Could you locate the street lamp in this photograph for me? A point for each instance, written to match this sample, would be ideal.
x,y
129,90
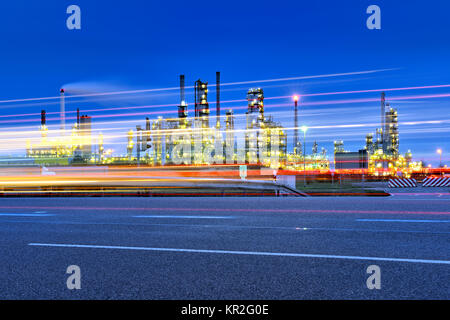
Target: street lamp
x,y
296,98
440,157
304,129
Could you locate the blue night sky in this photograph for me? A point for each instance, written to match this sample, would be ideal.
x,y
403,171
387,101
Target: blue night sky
x,y
135,45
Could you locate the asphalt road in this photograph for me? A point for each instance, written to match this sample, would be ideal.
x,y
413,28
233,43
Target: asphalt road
x,y
226,248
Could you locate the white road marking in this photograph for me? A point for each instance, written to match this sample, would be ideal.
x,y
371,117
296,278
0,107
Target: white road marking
x,y
400,220
25,215
252,253
186,217
423,199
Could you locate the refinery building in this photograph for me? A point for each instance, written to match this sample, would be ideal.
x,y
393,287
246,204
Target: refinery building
x,y
202,140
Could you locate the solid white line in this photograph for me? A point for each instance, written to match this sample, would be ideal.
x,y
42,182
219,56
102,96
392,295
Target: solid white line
x,y
186,217
399,220
424,199
253,253
25,215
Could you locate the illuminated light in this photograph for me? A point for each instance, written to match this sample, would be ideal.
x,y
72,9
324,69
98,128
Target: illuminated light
x,y
439,151
296,98
304,128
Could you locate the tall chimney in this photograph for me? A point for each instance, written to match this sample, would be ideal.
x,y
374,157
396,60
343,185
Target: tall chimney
x,y
78,118
43,118
183,101
218,99
147,129
62,111
182,108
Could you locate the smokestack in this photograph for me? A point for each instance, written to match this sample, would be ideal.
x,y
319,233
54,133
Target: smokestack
x,y
43,118
78,118
62,111
383,121
182,108
147,129
183,101
218,99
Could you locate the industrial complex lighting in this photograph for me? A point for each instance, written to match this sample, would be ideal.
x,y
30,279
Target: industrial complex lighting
x,y
439,151
304,128
296,98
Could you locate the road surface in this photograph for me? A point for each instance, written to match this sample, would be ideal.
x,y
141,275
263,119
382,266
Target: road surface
x,y
226,248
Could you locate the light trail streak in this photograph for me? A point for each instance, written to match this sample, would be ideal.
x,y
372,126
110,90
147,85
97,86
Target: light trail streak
x,y
266,98
189,209
190,87
310,77
6,145
233,252
376,90
317,103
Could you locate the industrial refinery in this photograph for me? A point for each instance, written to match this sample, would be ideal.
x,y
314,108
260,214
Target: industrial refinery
x,y
202,141
380,156
70,146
